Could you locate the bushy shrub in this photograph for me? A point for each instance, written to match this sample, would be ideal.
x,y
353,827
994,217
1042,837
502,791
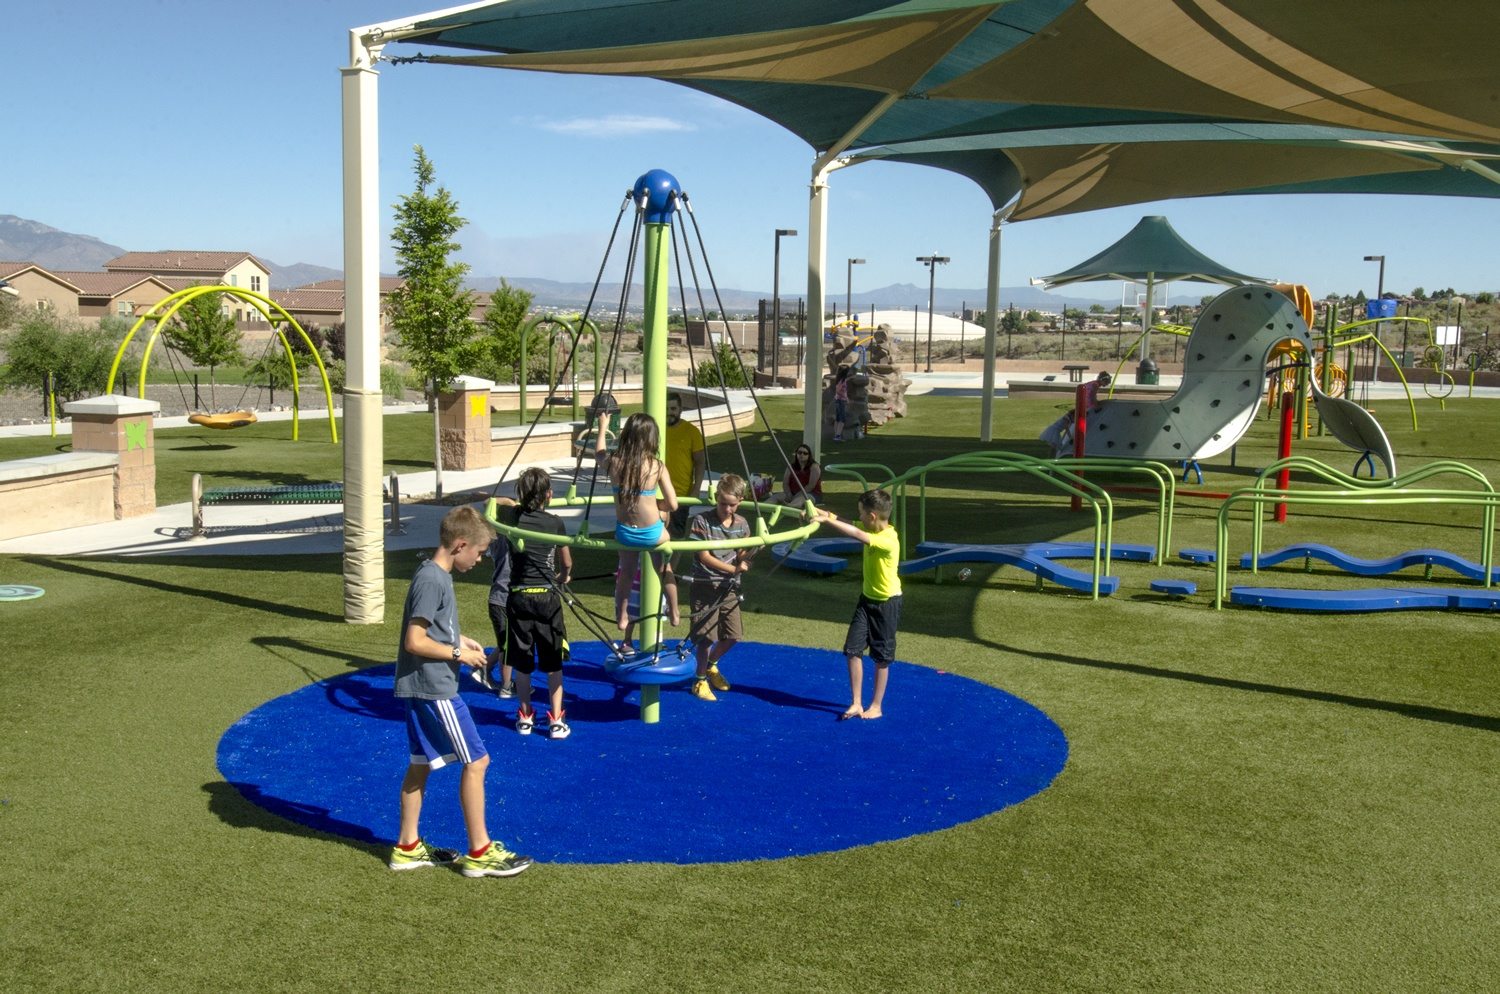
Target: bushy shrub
x,y
727,360
393,382
77,356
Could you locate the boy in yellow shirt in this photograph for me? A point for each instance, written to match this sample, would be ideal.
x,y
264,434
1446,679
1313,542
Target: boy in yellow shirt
x,y
878,612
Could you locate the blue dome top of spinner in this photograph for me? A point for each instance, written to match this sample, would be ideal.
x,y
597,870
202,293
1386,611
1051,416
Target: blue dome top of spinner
x,y
657,190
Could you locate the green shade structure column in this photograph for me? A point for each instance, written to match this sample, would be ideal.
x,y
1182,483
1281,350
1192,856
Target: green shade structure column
x,y
658,191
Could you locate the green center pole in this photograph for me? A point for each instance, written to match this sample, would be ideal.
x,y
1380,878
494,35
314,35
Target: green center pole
x,y
654,397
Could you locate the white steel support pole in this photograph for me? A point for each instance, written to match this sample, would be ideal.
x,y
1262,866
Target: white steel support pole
x,y
817,267
991,327
364,537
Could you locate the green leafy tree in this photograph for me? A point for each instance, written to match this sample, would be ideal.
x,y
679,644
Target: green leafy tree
x,y
1013,321
725,358
1484,298
430,313
498,350
1418,293
1096,308
10,311
205,335
78,357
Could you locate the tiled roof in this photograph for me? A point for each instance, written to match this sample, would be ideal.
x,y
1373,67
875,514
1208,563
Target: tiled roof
x,y
10,269
306,299
388,284
183,282
173,261
96,284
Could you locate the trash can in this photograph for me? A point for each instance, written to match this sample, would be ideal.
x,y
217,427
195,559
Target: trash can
x,y
1146,372
1381,307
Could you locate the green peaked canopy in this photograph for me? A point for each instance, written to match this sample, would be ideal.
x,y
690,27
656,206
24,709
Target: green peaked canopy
x,y
1151,251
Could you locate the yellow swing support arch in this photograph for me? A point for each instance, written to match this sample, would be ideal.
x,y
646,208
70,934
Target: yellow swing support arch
x,y
275,315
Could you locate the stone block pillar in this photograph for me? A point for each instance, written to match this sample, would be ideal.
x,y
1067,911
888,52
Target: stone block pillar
x,y
464,424
123,426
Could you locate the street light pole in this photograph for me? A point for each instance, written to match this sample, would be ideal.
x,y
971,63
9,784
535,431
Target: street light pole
x,y
1379,295
931,262
849,290
776,307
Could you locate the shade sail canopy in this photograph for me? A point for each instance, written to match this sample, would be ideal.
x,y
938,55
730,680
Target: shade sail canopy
x,y
1064,171
1072,104
1152,250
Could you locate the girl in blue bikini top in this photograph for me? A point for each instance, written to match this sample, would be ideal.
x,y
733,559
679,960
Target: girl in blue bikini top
x,y
643,491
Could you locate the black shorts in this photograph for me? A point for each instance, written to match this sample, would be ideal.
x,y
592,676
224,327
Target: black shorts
x,y
677,527
874,627
536,638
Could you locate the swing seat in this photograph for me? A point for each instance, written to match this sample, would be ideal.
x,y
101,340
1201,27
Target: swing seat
x,y
224,421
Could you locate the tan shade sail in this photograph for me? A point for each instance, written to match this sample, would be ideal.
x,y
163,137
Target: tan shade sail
x,y
1399,67
1070,179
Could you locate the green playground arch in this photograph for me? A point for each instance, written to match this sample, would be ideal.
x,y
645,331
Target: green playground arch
x,y
551,326
163,311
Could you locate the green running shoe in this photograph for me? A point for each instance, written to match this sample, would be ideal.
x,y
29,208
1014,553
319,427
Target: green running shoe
x,y
496,862
422,855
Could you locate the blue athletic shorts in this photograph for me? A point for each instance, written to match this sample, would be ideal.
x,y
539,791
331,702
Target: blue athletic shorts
x,y
648,537
442,732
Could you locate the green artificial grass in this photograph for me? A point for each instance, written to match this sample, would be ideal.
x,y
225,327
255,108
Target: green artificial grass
x,y
1252,800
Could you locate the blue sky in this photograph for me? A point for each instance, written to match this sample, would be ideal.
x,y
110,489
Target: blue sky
x,y
197,124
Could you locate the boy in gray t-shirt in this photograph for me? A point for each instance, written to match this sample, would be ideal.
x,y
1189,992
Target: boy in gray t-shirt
x,y
716,582
439,728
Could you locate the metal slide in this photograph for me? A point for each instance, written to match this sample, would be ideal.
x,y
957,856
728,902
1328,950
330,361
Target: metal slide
x,y
1355,427
1222,384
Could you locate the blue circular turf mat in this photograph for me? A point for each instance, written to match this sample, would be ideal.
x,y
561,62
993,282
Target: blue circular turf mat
x,y
766,771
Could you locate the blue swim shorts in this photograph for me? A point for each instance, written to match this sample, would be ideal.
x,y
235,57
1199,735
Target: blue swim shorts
x,y
648,537
441,732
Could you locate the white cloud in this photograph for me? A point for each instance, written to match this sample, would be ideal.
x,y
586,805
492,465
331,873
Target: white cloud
x,y
615,125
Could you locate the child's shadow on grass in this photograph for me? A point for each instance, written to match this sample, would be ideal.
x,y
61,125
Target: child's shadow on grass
x,y
244,805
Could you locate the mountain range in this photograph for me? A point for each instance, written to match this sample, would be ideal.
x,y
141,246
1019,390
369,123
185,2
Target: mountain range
x,y
31,241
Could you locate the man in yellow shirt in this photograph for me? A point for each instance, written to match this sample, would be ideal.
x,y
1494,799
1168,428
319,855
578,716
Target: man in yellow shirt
x,y
878,612
687,461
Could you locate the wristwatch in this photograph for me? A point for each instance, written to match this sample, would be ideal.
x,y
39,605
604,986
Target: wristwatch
x,y
456,653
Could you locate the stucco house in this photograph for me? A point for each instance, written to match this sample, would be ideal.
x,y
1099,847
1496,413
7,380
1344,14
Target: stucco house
x,y
40,289
182,269
123,295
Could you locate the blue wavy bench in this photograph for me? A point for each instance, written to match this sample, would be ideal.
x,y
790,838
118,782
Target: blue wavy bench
x,y
1372,567
1034,557
818,555
1373,599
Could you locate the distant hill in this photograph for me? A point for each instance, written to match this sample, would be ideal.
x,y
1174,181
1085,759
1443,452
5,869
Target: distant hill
x,y
299,274
22,240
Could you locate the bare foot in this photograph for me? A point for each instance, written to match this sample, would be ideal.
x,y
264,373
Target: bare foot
x,y
675,616
855,711
870,713
623,621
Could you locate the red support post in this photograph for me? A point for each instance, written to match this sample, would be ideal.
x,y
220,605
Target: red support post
x,y
1284,448
1080,428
